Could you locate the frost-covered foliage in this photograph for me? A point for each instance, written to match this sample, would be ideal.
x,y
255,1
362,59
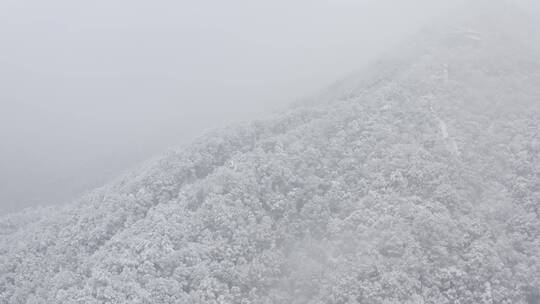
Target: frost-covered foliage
x,y
420,187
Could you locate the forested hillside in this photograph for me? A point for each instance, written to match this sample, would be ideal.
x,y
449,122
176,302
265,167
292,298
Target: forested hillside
x,y
417,181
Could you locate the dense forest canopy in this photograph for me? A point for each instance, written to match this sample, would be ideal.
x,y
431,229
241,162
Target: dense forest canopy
x,y
416,181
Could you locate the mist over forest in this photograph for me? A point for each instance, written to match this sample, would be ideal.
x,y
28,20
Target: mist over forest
x,y
284,152
89,90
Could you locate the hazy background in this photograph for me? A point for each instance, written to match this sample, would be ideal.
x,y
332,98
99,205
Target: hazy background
x,y
90,88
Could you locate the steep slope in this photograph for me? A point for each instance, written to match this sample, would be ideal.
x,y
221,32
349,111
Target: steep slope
x,y
415,182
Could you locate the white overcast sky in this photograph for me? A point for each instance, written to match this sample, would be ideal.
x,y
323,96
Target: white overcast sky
x,y
91,88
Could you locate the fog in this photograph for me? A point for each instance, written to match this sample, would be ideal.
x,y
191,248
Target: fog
x,y
396,156
89,89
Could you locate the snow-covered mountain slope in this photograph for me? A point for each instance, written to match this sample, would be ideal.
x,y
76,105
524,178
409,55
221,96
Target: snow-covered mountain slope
x,y
416,182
